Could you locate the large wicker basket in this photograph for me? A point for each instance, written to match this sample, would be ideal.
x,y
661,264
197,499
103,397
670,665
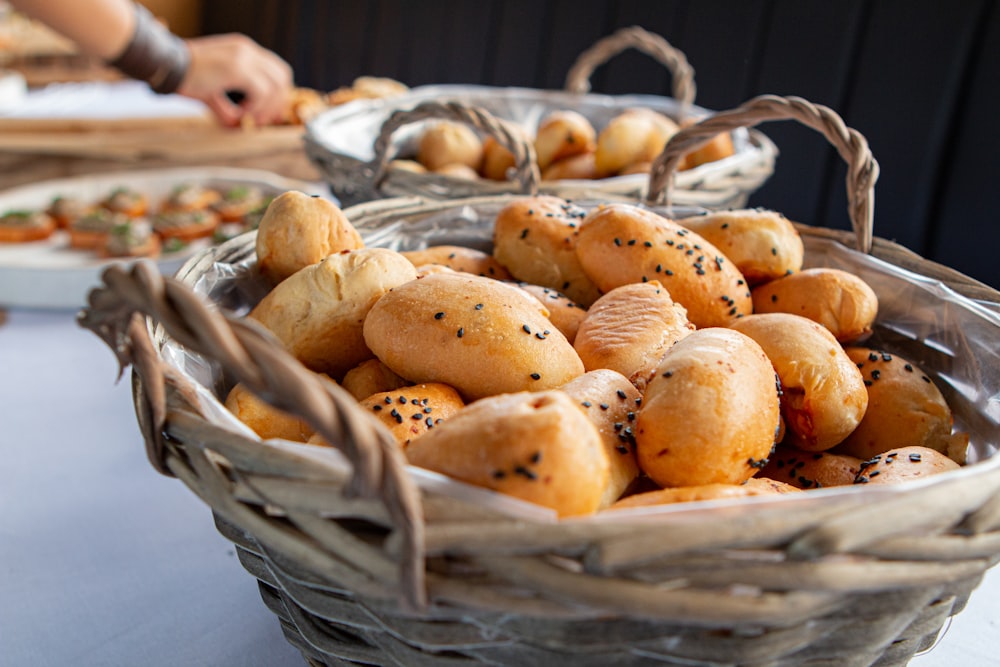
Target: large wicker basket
x,y
350,143
366,561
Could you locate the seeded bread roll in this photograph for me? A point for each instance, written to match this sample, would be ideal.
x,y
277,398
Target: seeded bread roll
x,y
459,258
635,135
611,402
905,407
297,231
480,336
763,244
840,301
564,313
410,412
318,312
823,394
811,470
903,464
370,377
562,134
264,419
535,238
621,244
575,167
710,413
629,329
702,492
536,446
446,142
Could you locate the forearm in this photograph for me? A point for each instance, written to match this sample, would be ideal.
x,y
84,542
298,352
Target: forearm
x,y
100,28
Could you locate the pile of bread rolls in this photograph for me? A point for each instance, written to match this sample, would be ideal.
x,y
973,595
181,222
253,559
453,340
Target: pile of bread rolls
x,y
601,359
567,146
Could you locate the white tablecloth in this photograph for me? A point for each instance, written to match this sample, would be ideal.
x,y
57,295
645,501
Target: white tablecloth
x,y
105,562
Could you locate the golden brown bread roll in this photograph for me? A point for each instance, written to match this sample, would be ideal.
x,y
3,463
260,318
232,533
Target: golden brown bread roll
x,y
575,167
763,244
497,160
410,412
455,170
611,402
905,407
535,238
718,147
298,230
264,419
702,492
537,446
411,166
840,301
903,464
811,470
635,135
370,377
710,413
621,244
447,142
480,336
636,168
561,134
459,258
823,394
318,311
564,313
629,329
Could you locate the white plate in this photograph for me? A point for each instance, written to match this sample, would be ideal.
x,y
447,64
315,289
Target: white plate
x,y
49,274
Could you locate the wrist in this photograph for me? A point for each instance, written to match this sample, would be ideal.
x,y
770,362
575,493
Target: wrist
x,y
153,54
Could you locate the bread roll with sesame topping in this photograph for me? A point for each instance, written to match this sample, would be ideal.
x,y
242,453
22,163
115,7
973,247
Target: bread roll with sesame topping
x,y
410,412
535,238
763,244
318,311
635,135
840,301
621,244
447,142
710,413
905,407
811,470
564,313
264,419
903,464
823,394
536,446
479,335
561,134
298,230
459,258
611,402
629,329
371,377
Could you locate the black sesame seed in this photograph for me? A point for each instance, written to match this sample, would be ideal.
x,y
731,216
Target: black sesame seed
x,y
438,315
479,306
460,332
872,356
908,368
526,328
618,241
499,474
536,457
524,472
376,407
668,374
416,416
585,404
925,379
648,244
876,374
524,232
604,406
402,400
536,376
774,298
915,458
886,356
621,394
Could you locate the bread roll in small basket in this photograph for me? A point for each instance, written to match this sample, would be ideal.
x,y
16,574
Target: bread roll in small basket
x,y
368,561
348,143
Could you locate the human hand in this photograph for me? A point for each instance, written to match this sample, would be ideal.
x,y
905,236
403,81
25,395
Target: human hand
x,y
234,62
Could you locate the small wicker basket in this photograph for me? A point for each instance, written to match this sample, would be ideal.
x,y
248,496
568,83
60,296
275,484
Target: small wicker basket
x,y
340,141
374,563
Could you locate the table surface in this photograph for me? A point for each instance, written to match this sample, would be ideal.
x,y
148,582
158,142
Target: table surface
x,y
105,562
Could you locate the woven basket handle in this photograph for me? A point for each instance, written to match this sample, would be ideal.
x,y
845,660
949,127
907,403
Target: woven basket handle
x,y
525,162
862,169
655,46
254,357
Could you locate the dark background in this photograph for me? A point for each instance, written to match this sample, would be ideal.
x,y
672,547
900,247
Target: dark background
x,y
917,77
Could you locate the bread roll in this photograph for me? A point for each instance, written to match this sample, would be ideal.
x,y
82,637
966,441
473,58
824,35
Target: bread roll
x,y
535,238
497,160
718,147
447,142
629,329
411,166
318,312
480,336
762,244
635,135
410,412
636,168
370,377
564,313
575,167
700,493
455,170
264,419
811,470
903,464
611,402
621,244
840,301
710,413
298,230
459,258
536,446
561,134
905,407
823,394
